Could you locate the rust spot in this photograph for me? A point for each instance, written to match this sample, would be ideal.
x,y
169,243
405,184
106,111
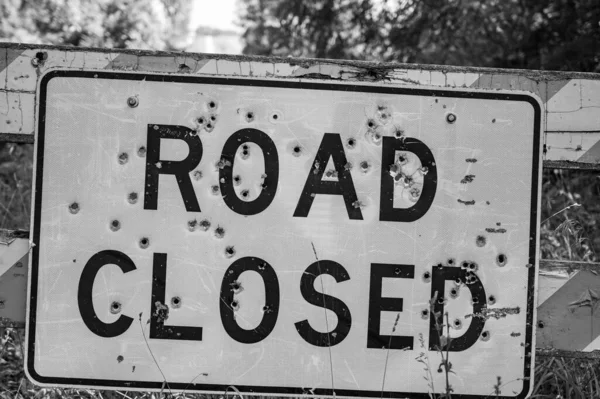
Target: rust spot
x,y
471,202
467,179
495,313
162,312
494,230
471,160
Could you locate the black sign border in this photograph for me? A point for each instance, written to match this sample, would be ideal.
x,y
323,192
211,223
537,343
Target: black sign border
x,y
291,84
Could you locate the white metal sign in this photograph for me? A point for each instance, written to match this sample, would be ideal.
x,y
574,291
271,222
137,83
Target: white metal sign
x,y
283,237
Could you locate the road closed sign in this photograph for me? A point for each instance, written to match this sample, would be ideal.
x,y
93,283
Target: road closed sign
x,y
283,237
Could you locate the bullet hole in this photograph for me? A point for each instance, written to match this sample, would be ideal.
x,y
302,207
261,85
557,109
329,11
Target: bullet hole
x,y
222,164
144,242
480,241
159,165
485,336
331,173
297,150
358,204
262,266
212,104
425,313
529,265
41,56
267,309
453,293
450,117
395,169
441,301
155,127
214,189
176,302
245,151
397,271
474,300
115,225
141,152
192,224
123,158
427,277
229,252
249,116
197,174
237,180
201,120
236,286
213,118
377,138
494,120
275,116
457,323
222,180
402,158
348,166
74,208
540,324
245,194
451,262
120,359
235,305
132,197
351,143
209,127
115,307
371,123
464,264
132,102
415,193
398,133
473,267
364,166
501,260
424,170
204,225
219,232
491,299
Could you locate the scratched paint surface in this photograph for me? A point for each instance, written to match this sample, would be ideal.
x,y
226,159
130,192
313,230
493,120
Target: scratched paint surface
x,y
484,188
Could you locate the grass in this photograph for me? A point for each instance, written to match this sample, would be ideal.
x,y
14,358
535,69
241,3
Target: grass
x,y
570,215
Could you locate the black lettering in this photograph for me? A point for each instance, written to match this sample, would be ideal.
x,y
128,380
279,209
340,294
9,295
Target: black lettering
x,y
180,169
331,146
228,303
377,304
387,212
160,310
84,293
307,288
470,280
269,184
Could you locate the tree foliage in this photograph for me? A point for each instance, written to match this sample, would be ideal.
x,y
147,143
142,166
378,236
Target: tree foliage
x,y
147,24
530,34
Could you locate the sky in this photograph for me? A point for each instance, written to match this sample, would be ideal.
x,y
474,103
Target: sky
x,y
215,14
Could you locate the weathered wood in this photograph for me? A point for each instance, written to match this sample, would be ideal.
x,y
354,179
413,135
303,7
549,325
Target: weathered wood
x,y
570,99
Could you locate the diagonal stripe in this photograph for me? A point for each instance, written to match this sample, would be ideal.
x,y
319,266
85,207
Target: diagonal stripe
x,y
592,155
545,90
7,56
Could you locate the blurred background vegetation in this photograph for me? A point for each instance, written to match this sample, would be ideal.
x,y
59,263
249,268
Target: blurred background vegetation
x,y
529,34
